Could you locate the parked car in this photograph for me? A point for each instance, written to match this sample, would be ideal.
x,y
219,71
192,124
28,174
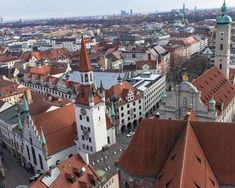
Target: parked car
x,y
130,134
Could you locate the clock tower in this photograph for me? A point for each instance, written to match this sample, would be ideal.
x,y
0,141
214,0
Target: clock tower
x,y
223,40
89,109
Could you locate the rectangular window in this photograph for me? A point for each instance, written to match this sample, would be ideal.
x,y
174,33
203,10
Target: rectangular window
x,y
87,147
83,137
89,130
128,118
91,148
133,103
128,105
81,127
90,139
80,117
220,66
83,146
122,114
87,119
221,47
122,108
128,112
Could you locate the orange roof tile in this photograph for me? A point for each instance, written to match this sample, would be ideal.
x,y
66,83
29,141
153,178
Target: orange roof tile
x,y
83,96
182,153
67,167
214,84
84,65
59,129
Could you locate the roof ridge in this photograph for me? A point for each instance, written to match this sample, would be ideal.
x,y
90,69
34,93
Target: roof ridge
x,y
184,155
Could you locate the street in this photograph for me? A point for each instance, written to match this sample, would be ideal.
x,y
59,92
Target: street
x,y
15,173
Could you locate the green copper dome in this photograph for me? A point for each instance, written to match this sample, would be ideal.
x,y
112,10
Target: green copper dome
x,y
212,101
224,18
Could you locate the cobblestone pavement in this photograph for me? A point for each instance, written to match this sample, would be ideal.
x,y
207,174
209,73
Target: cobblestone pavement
x,y
15,173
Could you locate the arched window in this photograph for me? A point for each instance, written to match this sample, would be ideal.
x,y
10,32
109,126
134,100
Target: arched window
x,y
81,78
34,156
86,77
91,77
40,160
126,185
28,152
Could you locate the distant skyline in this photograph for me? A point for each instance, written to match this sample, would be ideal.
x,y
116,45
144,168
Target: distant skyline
x,y
30,9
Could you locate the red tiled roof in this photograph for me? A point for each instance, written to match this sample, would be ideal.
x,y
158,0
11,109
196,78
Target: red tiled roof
x,y
67,167
7,58
214,84
191,116
83,96
182,153
45,70
108,123
121,90
59,129
85,65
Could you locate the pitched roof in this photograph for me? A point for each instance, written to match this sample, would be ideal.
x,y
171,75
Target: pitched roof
x,y
182,153
191,116
68,168
59,129
84,65
83,95
214,84
45,70
121,90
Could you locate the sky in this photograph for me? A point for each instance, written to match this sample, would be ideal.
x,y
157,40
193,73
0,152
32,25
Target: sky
x,y
32,9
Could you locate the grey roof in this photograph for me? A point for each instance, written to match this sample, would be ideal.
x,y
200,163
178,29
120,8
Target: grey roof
x,y
108,78
10,115
106,160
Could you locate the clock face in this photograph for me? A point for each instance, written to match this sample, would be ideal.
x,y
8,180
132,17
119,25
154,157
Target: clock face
x,y
221,34
83,111
85,133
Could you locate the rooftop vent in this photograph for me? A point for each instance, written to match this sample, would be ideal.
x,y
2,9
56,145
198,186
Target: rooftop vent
x,y
105,148
79,172
70,177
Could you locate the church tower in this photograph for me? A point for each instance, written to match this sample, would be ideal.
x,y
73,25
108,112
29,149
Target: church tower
x,y
89,109
223,40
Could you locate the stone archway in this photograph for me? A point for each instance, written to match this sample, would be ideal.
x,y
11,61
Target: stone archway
x,y
135,124
123,128
129,127
30,168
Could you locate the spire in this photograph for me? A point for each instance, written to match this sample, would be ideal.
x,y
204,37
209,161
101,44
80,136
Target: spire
x,y
101,86
113,114
224,9
85,65
25,106
20,125
43,139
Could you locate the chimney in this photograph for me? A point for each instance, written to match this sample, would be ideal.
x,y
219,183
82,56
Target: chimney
x,y
29,96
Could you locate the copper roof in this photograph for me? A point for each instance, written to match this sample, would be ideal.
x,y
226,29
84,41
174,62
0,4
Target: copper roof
x,y
182,153
84,65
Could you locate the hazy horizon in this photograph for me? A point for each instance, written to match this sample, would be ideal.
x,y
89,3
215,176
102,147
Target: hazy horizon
x,y
28,9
